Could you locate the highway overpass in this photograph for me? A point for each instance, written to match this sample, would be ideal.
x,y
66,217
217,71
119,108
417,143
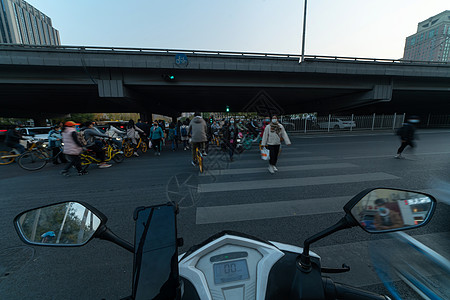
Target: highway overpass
x,y
56,80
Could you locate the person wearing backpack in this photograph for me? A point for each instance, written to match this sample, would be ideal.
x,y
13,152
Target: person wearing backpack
x,y
172,135
407,135
72,148
229,137
184,135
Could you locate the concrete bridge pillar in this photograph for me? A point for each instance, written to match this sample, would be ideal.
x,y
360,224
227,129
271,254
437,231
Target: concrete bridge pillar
x,y
146,116
40,122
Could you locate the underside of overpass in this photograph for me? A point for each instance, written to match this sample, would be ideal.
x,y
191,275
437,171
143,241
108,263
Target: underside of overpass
x,y
293,93
30,89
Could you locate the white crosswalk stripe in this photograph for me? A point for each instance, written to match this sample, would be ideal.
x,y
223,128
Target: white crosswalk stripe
x,y
268,210
285,169
292,182
290,160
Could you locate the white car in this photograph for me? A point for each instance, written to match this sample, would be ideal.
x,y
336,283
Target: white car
x,y
35,133
337,123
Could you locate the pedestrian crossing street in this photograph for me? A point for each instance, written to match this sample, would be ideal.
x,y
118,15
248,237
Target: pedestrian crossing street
x,y
249,173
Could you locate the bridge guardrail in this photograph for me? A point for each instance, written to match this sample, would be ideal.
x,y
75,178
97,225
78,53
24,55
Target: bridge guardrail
x,y
308,58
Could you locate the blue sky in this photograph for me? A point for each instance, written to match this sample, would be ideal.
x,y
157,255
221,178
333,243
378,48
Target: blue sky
x,y
355,28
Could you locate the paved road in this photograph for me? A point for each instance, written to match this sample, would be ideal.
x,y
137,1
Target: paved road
x,y
318,175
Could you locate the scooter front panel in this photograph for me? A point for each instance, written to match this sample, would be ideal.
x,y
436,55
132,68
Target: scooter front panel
x,y
230,267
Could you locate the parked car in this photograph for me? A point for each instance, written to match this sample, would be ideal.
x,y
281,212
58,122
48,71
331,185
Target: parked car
x,y
36,133
337,123
3,130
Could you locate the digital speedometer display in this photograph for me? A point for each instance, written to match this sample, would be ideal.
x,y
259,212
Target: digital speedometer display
x,y
230,271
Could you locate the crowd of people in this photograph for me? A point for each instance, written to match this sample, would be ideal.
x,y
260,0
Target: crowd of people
x,y
190,134
231,133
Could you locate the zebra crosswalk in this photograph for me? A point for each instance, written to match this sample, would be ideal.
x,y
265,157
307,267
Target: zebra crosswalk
x,y
246,192
250,174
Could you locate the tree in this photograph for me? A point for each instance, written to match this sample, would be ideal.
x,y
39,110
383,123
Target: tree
x,y
80,118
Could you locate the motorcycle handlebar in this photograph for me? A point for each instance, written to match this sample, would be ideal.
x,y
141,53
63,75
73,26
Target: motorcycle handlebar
x,y
336,290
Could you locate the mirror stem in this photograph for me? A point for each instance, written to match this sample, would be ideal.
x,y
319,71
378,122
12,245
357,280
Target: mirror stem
x,y
105,233
304,259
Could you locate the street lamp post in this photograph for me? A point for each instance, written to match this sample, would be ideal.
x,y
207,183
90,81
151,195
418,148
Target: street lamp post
x,y
304,32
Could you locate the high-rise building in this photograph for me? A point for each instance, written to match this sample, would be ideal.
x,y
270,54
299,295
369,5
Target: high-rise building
x,y
432,40
21,23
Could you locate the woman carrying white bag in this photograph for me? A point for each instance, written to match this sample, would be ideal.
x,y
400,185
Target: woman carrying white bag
x,y
272,137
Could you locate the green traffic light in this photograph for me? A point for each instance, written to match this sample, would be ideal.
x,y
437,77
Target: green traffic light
x,y
228,109
171,77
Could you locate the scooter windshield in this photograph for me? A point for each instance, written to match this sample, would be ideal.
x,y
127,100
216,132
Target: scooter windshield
x,y
155,262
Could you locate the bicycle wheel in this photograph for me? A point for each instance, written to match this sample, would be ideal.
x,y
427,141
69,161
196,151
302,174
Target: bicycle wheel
x,y
200,161
85,162
32,160
118,158
128,150
144,147
6,157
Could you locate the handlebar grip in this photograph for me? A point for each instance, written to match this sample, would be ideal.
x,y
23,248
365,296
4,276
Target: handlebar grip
x,y
341,291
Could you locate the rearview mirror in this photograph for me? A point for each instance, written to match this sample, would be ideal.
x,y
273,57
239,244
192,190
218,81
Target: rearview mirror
x,y
62,224
386,210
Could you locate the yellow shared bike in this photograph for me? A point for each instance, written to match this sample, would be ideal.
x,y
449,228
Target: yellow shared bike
x,y
127,146
199,157
88,157
34,158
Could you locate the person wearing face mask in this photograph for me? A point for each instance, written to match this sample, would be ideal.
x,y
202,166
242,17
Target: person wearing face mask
x,y
230,134
272,140
184,134
156,135
133,133
13,138
54,143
